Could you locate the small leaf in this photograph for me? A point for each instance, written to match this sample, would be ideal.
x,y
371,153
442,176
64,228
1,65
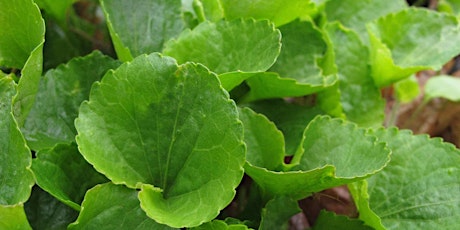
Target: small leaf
x,y
419,187
407,89
277,212
356,14
360,99
278,11
13,217
329,220
46,212
169,127
59,172
110,206
401,45
291,119
261,136
156,22
268,85
15,158
444,87
221,48
61,92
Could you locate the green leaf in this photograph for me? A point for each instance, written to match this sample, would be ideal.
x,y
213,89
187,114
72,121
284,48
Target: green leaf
x,y
60,94
360,196
332,153
301,60
277,212
155,23
45,212
169,127
268,85
443,86
110,206
22,32
291,119
356,14
59,172
261,136
299,69
360,99
221,48
212,10
15,158
278,11
329,220
401,45
21,45
13,217
220,225
419,187
407,89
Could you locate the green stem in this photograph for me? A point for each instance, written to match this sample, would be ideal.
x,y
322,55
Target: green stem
x,y
198,8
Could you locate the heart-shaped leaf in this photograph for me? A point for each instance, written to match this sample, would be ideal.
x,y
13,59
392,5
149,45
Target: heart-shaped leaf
x,y
170,130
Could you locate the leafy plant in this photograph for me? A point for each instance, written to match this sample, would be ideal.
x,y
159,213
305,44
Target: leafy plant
x,y
220,114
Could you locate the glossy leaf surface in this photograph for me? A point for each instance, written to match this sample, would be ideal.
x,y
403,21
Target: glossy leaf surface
x,y
59,172
161,20
256,51
169,127
411,40
276,11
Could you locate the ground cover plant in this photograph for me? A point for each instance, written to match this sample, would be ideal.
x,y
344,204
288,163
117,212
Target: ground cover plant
x,y
221,114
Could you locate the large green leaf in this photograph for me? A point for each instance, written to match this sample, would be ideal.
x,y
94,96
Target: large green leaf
x,y
360,99
59,172
278,11
222,48
110,206
277,212
419,188
13,217
60,94
443,86
15,158
46,212
332,153
411,40
169,127
155,23
356,14
329,220
299,67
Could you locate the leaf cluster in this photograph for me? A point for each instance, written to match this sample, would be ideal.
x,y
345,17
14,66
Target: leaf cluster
x,y
220,114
